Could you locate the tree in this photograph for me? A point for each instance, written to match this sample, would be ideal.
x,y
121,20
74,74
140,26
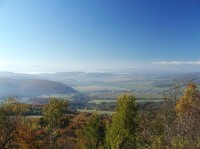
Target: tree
x,y
54,113
92,136
54,117
121,134
188,118
7,130
10,117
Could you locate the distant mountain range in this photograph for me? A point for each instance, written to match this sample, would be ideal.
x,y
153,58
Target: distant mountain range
x,y
24,85
83,77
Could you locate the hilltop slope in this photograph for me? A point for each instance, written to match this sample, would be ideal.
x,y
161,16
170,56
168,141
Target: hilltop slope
x,y
32,87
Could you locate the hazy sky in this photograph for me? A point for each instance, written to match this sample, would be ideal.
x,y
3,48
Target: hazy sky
x,y
97,35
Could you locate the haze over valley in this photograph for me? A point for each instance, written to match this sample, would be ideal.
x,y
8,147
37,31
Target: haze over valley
x,y
99,74
90,87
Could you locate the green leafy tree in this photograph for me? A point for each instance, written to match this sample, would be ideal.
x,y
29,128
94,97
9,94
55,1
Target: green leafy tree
x,y
54,119
92,136
54,113
121,133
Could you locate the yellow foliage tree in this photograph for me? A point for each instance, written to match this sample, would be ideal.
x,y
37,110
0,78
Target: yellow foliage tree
x,y
189,100
188,116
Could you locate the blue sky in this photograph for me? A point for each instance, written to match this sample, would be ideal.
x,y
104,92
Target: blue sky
x,y
99,35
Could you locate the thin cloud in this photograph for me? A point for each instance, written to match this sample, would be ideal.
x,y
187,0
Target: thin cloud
x,y
178,63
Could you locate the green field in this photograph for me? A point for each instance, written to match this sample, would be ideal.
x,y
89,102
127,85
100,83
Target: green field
x,y
147,96
99,101
114,95
95,111
149,100
95,88
62,96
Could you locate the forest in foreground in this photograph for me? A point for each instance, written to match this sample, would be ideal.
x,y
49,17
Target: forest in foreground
x,y
174,124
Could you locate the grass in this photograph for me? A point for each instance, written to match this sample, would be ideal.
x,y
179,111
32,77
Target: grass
x,y
113,96
95,111
61,96
95,88
149,100
99,101
148,96
132,85
140,86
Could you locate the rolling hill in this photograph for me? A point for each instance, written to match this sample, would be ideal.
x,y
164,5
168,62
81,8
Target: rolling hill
x,y
84,82
32,87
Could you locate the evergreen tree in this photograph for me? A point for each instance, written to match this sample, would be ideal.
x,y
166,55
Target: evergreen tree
x,y
92,136
121,134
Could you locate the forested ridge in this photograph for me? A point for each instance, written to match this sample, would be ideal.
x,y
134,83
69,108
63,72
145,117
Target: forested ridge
x,y
174,125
